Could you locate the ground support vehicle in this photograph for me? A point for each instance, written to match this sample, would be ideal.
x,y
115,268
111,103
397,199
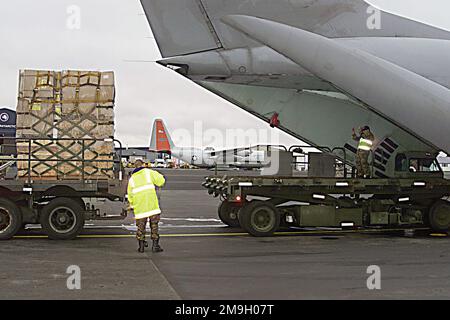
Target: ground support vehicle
x,y
260,204
61,206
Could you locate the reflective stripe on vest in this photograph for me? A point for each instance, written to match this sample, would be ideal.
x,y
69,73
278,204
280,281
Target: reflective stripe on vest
x,y
148,176
147,214
131,182
365,144
143,188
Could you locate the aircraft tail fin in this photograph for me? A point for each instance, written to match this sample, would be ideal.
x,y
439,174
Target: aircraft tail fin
x,y
160,141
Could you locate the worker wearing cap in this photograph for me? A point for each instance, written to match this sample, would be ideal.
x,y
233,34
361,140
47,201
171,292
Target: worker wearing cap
x,y
365,144
144,202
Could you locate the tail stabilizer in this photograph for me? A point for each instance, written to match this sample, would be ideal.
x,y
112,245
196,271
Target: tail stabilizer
x,y
160,141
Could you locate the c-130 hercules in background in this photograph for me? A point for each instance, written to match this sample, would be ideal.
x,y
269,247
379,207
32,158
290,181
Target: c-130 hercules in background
x,y
323,67
241,158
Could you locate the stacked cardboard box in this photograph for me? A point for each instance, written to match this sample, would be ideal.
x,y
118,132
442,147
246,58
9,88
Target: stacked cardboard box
x,y
75,109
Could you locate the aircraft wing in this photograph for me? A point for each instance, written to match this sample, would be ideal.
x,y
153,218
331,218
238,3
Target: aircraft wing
x,y
192,36
190,26
229,153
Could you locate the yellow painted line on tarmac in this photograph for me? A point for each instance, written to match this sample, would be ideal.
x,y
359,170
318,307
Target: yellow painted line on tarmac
x,y
90,236
224,234
105,236
228,234
100,236
439,235
168,235
30,237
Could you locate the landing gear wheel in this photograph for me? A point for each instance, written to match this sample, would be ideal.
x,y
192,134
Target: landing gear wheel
x,y
439,216
62,219
259,218
10,219
228,214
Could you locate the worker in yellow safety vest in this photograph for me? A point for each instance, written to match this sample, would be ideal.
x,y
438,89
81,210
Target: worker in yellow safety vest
x,y
365,144
144,203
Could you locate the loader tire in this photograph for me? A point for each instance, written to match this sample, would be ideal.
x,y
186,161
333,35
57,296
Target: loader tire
x,y
260,218
62,219
228,214
10,219
439,216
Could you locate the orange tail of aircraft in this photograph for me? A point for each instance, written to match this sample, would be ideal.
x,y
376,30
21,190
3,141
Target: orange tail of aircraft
x,y
160,141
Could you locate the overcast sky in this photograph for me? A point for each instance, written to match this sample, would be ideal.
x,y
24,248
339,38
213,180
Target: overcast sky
x,y
33,35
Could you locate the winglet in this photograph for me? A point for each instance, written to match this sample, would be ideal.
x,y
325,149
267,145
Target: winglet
x,y
160,141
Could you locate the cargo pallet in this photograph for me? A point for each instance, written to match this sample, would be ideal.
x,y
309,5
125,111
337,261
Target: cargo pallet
x,y
58,204
346,202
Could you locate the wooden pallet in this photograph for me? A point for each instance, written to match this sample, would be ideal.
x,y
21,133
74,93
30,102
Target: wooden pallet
x,y
64,158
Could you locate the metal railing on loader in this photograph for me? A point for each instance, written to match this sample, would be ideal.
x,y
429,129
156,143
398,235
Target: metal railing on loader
x,y
51,153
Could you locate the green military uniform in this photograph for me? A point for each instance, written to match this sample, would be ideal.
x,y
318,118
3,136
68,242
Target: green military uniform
x,y
362,155
144,201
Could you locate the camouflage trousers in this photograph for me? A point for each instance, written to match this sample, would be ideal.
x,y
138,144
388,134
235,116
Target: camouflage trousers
x,y
362,163
142,223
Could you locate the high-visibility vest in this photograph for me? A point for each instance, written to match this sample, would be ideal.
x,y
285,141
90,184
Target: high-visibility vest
x,y
365,144
142,194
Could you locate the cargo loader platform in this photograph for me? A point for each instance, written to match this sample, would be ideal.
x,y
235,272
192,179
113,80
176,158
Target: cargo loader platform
x,y
62,203
417,200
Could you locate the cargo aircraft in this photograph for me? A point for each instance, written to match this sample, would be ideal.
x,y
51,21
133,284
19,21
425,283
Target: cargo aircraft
x,y
322,67
242,158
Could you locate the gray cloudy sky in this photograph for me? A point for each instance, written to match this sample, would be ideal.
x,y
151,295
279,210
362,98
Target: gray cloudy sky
x,y
33,35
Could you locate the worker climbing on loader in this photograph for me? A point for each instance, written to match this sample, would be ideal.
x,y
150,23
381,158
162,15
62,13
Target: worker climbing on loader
x,y
365,139
144,202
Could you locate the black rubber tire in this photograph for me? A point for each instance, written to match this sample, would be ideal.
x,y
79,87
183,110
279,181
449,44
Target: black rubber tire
x,y
81,202
259,212
228,214
64,208
10,220
439,216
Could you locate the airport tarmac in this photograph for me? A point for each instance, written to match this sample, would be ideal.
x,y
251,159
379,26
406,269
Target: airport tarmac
x,y
203,259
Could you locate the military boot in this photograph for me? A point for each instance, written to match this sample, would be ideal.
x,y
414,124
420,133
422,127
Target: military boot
x,y
156,247
141,246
